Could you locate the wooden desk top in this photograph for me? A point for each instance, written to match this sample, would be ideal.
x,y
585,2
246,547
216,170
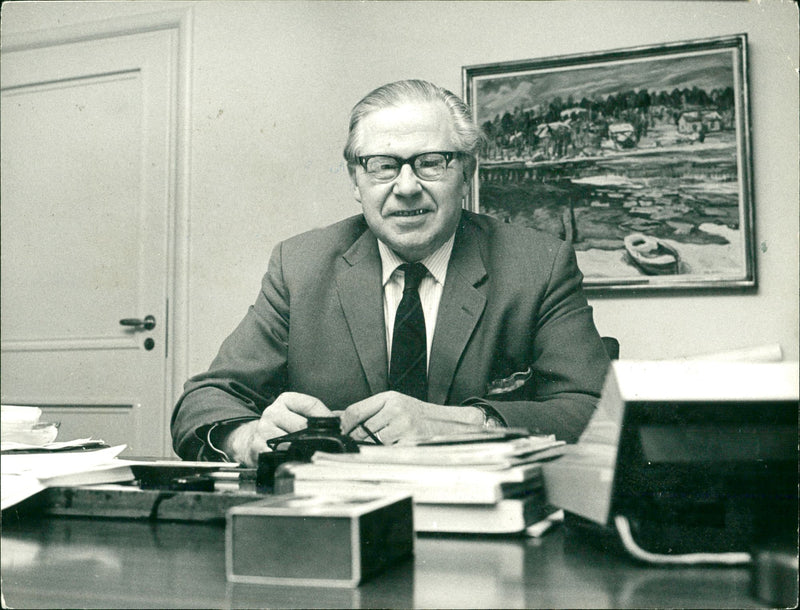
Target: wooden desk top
x,y
103,563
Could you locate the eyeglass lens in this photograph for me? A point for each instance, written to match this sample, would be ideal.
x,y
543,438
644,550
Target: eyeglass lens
x,y
427,166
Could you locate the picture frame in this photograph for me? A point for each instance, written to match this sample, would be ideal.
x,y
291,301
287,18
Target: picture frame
x,y
640,157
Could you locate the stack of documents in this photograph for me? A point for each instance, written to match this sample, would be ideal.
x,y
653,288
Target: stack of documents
x,y
32,460
466,484
28,470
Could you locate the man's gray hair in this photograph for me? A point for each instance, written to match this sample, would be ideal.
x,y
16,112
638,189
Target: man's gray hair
x,y
468,135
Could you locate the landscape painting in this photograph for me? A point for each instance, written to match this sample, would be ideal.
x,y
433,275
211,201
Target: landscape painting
x,y
638,157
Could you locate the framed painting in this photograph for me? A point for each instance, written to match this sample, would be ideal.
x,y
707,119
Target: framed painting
x,y
639,157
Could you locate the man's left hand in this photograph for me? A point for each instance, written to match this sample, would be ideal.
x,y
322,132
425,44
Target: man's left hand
x,y
392,417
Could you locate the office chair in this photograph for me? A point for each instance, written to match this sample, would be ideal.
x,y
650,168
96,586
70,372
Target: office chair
x,y
612,347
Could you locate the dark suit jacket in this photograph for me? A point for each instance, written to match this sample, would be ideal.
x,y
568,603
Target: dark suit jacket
x,y
512,303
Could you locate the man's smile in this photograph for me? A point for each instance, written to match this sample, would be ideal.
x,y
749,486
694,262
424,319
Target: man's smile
x,y
405,213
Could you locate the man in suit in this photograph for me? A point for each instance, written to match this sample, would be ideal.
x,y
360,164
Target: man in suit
x,y
507,337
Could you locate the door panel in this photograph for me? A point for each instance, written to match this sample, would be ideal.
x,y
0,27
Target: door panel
x,y
86,164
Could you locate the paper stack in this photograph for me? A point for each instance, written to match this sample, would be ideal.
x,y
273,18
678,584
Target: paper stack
x,y
31,459
464,484
25,473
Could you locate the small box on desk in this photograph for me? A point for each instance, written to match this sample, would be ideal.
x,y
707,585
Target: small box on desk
x,y
326,541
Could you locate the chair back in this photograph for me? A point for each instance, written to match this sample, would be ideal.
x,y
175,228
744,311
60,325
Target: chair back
x,y
612,347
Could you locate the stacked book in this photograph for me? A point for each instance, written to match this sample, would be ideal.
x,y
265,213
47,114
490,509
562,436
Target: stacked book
x,y
467,484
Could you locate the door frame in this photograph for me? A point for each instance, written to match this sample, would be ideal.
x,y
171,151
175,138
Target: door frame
x,y
177,289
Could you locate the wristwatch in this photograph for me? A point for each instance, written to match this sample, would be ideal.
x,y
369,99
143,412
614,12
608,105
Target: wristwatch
x,y
491,420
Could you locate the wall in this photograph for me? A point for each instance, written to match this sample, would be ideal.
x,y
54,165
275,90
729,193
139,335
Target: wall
x,y
273,83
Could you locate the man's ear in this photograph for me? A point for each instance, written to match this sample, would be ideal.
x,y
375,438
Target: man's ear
x,y
465,188
354,184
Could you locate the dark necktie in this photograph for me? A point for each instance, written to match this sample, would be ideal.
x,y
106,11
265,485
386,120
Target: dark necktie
x,y
408,369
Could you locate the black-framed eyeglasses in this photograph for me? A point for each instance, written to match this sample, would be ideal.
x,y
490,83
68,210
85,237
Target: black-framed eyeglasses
x,y
426,166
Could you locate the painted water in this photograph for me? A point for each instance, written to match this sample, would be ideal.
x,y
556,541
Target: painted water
x,y
686,194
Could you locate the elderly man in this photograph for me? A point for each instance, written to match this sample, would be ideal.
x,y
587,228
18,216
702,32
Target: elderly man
x,y
414,318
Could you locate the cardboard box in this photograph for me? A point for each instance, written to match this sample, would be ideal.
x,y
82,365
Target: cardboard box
x,y
327,541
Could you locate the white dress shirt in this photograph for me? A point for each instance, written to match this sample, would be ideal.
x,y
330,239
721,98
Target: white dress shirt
x,y
430,289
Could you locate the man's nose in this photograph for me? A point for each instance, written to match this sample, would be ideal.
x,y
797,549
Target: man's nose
x,y
406,184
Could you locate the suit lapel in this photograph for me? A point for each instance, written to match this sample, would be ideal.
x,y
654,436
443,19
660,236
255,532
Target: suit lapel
x,y
358,281
459,311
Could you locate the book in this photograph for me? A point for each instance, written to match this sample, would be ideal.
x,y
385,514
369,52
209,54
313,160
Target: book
x,y
321,467
426,484
488,455
478,484
102,473
43,465
508,516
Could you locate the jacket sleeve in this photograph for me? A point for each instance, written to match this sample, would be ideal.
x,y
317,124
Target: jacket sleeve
x,y
568,363
247,374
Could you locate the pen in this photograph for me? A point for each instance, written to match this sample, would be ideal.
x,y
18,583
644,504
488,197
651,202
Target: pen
x,y
371,434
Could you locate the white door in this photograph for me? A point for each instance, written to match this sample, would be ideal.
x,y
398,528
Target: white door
x,y
87,169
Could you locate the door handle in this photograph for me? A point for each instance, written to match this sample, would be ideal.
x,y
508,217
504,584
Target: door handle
x,y
149,322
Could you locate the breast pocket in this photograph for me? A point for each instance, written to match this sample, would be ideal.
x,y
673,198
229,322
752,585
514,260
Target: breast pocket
x,y
509,387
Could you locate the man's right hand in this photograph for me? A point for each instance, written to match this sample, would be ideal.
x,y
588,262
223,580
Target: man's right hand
x,y
288,413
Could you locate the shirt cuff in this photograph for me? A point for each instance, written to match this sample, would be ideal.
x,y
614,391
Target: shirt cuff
x,y
214,435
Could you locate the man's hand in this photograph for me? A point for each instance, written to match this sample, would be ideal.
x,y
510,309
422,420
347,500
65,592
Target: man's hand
x,y
288,413
393,416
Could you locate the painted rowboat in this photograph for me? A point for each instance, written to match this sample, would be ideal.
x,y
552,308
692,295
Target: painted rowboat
x,y
651,255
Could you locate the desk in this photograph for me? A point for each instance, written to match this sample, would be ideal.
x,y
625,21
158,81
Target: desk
x,y
103,563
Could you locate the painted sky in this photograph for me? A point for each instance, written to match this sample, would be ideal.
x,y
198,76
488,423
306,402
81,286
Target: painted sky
x,y
496,95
